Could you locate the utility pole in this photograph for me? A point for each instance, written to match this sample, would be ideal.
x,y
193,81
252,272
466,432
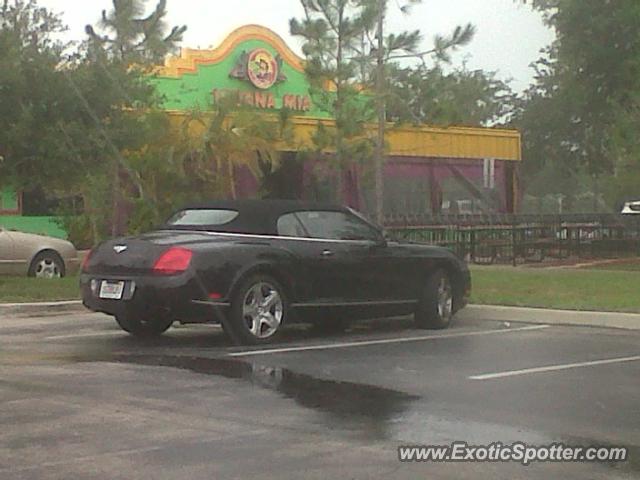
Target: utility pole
x,y
382,117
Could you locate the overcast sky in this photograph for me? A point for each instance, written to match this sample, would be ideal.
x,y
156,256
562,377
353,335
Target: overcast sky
x,y
509,35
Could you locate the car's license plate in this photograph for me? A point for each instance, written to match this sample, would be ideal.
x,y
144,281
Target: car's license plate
x,y
111,290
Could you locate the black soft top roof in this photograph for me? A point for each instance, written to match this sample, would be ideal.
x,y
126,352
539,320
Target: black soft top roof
x,y
259,217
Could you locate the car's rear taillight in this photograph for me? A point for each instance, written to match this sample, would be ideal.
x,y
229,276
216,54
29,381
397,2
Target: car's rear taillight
x,y
173,261
85,261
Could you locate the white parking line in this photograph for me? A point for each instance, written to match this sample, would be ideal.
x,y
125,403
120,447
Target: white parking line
x,y
331,346
554,368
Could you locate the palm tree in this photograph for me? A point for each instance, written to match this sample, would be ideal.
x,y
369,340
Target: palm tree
x,y
233,136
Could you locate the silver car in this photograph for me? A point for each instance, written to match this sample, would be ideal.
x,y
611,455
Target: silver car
x,y
36,255
631,208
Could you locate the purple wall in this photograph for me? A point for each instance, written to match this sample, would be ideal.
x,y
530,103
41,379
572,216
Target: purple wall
x,y
318,175
440,171
247,185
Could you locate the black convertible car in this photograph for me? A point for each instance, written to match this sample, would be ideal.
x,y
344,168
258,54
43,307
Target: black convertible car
x,y
254,266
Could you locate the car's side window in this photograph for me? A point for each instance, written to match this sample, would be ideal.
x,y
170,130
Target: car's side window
x,y
290,226
336,226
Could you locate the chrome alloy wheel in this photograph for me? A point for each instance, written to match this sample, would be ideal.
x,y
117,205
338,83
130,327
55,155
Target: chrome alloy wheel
x,y
47,268
445,298
262,310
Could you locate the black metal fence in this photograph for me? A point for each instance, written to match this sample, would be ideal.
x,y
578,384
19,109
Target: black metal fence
x,y
515,239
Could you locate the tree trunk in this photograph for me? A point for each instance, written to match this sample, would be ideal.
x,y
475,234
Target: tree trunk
x,y
115,199
338,113
379,152
340,196
232,180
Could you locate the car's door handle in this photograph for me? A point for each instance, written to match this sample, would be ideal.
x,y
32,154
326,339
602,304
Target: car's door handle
x,y
327,253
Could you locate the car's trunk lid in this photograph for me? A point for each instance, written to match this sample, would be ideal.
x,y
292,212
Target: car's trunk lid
x,y
137,255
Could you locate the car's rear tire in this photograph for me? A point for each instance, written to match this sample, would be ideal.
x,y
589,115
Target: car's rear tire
x,y
435,306
143,328
259,309
47,264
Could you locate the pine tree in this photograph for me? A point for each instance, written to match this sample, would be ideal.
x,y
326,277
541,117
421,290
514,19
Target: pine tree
x,y
133,38
348,52
332,31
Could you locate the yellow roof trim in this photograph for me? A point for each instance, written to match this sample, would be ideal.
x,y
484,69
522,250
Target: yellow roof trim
x,y
427,142
189,59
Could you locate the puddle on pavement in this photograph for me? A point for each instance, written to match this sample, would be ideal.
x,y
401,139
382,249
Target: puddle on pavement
x,y
364,409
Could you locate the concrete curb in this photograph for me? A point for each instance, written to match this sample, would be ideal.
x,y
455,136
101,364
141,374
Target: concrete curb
x,y
627,321
49,308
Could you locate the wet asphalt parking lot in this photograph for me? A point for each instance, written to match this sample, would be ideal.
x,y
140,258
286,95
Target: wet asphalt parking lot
x,y
82,400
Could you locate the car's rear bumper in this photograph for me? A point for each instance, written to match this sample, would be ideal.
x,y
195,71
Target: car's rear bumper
x,y
177,296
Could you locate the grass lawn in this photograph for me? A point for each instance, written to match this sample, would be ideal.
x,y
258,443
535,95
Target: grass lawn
x,y
24,289
573,289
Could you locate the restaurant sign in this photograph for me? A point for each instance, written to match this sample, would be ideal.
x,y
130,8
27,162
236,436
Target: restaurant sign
x,y
263,70
252,65
259,67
